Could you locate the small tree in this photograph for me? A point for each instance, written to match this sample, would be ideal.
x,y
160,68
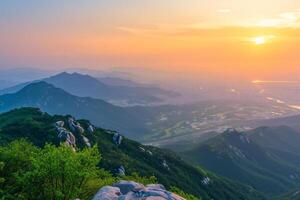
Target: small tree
x,y
16,159
58,173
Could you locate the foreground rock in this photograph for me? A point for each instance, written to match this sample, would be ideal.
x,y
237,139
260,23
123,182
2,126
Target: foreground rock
x,y
129,190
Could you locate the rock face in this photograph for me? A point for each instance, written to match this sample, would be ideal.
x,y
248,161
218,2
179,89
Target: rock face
x,y
60,124
129,190
117,138
108,193
75,126
91,129
64,135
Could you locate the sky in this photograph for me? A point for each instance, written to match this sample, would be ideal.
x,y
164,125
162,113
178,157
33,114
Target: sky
x,y
232,38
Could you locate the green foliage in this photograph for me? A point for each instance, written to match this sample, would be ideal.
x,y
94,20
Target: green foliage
x,y
1,168
49,173
183,194
137,178
147,161
92,186
265,158
59,173
17,160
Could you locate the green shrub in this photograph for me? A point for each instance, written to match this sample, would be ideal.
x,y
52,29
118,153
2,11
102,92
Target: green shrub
x,y
183,194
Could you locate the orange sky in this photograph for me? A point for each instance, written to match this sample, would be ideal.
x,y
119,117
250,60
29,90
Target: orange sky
x,y
221,39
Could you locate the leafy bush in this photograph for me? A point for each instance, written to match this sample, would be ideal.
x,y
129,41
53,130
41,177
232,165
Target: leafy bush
x,y
137,178
48,173
29,172
183,194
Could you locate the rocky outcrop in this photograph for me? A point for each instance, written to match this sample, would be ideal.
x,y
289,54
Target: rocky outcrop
x,y
205,181
86,141
91,129
75,126
117,138
121,171
68,137
60,124
108,193
129,190
64,135
165,164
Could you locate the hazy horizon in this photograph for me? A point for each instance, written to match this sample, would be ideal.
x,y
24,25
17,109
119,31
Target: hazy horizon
x,y
235,39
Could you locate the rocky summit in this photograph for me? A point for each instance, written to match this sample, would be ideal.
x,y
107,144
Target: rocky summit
x,y
129,190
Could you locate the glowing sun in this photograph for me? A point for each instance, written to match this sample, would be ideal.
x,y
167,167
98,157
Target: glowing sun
x,y
260,40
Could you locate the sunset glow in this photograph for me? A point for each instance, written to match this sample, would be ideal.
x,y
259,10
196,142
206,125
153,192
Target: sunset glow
x,y
169,35
259,40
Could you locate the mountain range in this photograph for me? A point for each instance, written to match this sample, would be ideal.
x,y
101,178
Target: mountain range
x,y
268,159
56,101
111,91
170,170
291,121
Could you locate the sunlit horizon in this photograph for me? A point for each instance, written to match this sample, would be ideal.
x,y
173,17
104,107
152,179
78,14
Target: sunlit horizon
x,y
231,38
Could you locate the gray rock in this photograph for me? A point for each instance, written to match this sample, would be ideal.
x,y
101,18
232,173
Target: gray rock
x,y
121,171
135,191
117,138
165,165
205,181
59,124
156,186
75,126
127,186
91,129
67,137
108,193
86,141
79,129
72,125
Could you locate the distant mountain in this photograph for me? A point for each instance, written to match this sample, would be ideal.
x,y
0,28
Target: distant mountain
x,y
119,82
268,159
5,84
88,86
170,170
144,88
57,101
291,121
20,75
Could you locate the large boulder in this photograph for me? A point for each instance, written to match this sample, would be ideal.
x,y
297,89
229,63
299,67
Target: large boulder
x,y
129,190
108,193
75,126
127,186
67,137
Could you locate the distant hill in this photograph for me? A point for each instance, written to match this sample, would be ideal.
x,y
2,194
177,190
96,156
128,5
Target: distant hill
x,y
19,75
57,101
170,170
119,82
88,86
268,159
5,84
291,121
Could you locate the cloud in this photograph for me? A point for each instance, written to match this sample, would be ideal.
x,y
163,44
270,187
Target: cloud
x,y
199,30
285,19
274,82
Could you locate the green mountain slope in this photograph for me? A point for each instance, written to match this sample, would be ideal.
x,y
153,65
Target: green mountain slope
x,y
56,101
268,159
38,127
